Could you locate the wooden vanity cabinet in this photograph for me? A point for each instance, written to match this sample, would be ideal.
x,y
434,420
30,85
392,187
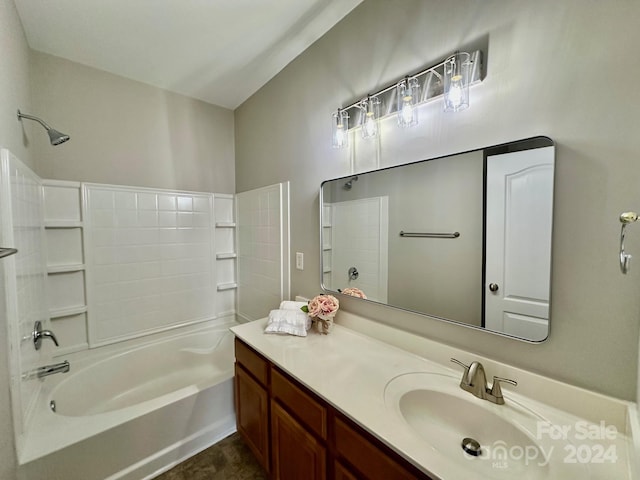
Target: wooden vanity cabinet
x,y
297,436
251,385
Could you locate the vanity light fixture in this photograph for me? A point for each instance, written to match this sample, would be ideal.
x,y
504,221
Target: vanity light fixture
x,y
449,79
370,115
339,129
407,93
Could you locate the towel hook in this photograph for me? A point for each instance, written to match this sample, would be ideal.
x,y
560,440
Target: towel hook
x,y
625,258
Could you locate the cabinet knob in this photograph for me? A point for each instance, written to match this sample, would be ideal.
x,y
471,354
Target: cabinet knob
x,y
493,287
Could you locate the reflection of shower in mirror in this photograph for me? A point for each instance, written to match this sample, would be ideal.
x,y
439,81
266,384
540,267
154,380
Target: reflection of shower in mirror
x,y
349,184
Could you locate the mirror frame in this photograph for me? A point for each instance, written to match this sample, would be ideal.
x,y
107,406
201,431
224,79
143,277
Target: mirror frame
x,y
503,148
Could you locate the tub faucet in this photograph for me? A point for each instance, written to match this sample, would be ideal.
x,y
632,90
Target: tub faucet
x,y
474,380
62,367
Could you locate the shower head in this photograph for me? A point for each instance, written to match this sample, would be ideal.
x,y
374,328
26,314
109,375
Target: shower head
x,y
55,137
348,185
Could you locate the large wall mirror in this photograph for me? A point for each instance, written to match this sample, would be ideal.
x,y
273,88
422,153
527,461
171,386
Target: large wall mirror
x,y
464,238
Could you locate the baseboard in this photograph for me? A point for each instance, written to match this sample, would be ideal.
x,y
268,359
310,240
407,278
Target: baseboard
x,y
169,457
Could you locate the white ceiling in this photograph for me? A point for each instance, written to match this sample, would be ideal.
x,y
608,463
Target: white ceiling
x,y
219,51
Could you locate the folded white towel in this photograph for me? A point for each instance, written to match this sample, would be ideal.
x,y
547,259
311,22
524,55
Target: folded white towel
x,y
288,321
290,305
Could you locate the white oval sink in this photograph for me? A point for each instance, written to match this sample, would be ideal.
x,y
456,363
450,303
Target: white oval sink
x,y
442,415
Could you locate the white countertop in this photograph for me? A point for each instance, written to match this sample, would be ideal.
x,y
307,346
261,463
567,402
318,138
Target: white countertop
x,y
351,370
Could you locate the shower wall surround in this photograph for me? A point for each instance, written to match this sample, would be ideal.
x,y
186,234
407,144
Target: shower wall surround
x,y
21,221
263,250
152,260
150,257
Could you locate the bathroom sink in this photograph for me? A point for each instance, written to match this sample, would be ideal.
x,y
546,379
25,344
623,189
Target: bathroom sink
x,y
501,441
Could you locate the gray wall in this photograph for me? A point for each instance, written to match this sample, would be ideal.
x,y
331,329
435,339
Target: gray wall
x,y
556,69
14,95
125,132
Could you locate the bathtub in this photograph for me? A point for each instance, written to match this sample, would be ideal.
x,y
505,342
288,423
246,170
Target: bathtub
x,y
131,412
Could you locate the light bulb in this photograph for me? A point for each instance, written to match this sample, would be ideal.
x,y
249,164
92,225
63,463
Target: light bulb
x,y
455,92
340,129
339,135
407,94
456,82
370,125
370,113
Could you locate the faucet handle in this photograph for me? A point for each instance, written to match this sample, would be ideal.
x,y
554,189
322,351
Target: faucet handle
x,y
496,390
38,334
463,365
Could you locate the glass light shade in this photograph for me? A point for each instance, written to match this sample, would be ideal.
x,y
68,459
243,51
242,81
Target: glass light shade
x,y
370,115
340,129
408,94
456,82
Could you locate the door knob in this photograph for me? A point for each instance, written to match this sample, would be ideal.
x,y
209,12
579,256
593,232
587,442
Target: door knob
x,y
493,287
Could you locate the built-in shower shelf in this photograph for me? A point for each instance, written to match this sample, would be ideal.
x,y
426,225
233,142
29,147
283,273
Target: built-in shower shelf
x,y
225,224
67,312
224,256
227,286
63,224
65,268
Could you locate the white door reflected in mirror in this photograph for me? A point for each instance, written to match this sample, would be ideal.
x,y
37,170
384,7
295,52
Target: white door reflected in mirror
x,y
518,242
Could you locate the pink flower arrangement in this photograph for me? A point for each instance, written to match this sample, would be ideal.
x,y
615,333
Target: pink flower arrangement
x,y
323,307
353,292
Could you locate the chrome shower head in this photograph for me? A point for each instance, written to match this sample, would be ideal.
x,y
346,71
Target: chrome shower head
x,y
55,137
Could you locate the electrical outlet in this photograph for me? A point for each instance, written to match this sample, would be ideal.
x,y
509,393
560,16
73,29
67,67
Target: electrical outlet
x,y
300,260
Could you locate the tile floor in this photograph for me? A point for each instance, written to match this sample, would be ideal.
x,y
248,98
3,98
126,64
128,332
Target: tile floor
x,y
229,459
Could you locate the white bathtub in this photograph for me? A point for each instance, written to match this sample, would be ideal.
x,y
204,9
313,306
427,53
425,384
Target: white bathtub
x,y
130,413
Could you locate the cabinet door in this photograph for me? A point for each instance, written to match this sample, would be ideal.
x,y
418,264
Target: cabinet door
x,y
252,415
296,453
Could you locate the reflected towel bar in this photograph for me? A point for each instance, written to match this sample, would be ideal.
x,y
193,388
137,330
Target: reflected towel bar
x,y
429,235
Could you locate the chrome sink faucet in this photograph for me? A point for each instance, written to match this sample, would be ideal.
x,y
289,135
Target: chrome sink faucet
x,y
474,380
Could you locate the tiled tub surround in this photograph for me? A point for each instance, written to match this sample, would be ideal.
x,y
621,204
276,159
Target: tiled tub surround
x,y
263,249
21,204
150,260
134,409
351,370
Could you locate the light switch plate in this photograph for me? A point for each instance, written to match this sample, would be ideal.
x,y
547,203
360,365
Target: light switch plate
x,y
300,260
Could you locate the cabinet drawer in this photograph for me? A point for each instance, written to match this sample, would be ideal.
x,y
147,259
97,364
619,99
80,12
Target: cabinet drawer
x,y
252,362
306,408
372,462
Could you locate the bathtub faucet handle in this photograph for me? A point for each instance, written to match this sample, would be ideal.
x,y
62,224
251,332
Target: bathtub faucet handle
x,y
39,334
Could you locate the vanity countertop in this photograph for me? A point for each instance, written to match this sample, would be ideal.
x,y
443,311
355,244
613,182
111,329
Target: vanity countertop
x,y
350,371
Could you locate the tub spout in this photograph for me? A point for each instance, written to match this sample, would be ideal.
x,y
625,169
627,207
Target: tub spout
x,y
62,367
